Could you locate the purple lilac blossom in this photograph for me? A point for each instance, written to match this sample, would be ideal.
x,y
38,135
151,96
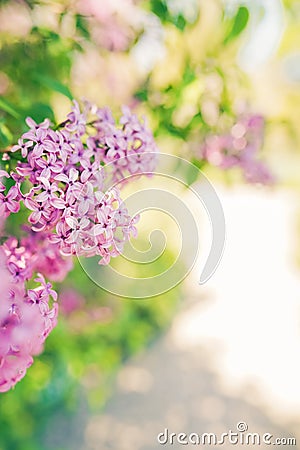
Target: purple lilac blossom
x,y
239,148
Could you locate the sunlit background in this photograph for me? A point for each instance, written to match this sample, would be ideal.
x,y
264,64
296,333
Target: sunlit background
x,y
199,358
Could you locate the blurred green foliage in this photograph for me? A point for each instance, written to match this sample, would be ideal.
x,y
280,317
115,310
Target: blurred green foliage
x,y
36,67
160,8
239,23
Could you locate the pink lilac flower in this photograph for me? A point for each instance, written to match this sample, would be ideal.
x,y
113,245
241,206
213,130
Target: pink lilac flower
x,y
23,146
41,139
45,256
239,148
70,301
26,317
114,21
76,120
10,203
60,180
67,170
131,150
257,172
3,173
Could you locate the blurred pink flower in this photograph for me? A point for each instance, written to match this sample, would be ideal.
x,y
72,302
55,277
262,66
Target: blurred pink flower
x,y
114,21
240,148
45,256
70,300
26,318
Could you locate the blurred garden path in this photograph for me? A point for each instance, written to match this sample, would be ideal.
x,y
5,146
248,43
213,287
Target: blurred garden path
x,y
232,353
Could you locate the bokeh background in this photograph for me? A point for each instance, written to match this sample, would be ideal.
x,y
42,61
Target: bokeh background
x,y
116,372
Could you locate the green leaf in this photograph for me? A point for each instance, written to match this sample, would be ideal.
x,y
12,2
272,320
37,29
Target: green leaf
x,y
193,170
159,8
40,111
7,107
45,33
239,24
191,175
53,85
6,136
188,75
180,22
82,26
199,163
142,95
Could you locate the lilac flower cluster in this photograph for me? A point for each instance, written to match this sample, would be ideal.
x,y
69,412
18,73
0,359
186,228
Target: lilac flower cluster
x,y
61,179
46,257
26,318
65,174
9,202
129,150
239,148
